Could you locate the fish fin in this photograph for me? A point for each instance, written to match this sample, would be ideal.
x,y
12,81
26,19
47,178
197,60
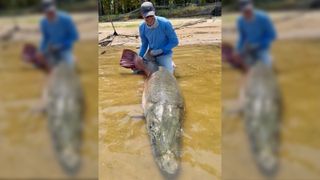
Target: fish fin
x,y
137,117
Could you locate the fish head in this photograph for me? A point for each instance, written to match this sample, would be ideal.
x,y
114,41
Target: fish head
x,y
169,162
168,141
70,160
267,161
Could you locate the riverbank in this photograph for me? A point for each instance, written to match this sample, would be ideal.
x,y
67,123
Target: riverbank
x,y
295,57
123,139
289,25
190,31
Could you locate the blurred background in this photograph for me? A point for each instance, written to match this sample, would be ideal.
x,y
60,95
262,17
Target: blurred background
x,y
297,69
127,9
124,145
26,149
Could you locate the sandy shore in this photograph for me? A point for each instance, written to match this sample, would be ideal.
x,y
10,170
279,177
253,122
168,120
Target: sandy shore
x,y
28,27
206,32
289,24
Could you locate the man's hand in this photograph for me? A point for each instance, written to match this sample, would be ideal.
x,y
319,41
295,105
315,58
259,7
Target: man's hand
x,y
40,56
252,47
156,52
54,48
237,55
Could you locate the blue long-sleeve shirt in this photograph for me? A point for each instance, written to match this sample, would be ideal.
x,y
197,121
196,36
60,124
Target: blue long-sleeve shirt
x,y
258,32
61,32
162,37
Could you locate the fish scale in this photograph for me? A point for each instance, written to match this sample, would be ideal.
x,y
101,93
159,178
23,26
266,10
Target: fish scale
x,y
65,111
164,112
262,114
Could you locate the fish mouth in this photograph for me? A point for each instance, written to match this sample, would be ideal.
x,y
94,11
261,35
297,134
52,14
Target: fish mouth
x,y
70,160
268,163
169,163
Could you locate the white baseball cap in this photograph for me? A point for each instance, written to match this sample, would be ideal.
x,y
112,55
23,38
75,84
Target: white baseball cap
x,y
245,4
147,9
48,5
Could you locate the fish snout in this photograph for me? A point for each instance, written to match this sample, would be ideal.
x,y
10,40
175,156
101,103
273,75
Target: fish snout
x,y
70,160
169,163
268,162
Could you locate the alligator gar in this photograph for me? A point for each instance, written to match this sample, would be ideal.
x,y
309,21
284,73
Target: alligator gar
x,y
262,114
65,106
163,107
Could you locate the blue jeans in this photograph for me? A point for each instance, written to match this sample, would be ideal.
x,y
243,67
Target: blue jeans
x,y
66,56
166,62
258,55
265,57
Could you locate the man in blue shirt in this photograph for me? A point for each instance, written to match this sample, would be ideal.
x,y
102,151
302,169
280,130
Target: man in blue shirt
x,y
59,34
157,36
256,32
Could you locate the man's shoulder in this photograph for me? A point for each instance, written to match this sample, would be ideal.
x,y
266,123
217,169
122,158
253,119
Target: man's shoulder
x,y
143,23
163,20
64,16
260,14
240,20
43,20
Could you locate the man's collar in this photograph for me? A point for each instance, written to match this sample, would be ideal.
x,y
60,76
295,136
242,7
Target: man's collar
x,y
155,24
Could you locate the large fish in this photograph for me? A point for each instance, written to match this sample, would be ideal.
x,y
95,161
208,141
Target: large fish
x,y
163,108
262,114
65,111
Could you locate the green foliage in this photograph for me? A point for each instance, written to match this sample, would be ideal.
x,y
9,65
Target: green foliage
x,y
269,4
34,5
178,12
116,7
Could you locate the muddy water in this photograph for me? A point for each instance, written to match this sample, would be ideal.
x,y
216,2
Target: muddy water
x,y
124,147
298,67
25,145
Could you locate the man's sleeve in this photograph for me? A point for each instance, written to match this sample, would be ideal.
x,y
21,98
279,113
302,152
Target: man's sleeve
x,y
44,39
73,34
172,36
241,38
269,35
144,42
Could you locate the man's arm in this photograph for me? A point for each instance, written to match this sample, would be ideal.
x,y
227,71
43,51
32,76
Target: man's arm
x,y
144,42
241,38
44,39
73,34
269,35
172,37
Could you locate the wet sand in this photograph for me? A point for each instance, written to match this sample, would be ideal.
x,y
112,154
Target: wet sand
x,y
25,144
207,32
297,65
125,151
289,24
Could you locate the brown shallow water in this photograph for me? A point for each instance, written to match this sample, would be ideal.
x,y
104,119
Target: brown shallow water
x,y
124,149
25,145
298,67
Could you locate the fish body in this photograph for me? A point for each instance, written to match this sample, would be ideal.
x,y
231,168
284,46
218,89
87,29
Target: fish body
x,y
262,114
163,107
65,107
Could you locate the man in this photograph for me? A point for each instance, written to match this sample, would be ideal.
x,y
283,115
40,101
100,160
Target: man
x,y
256,33
59,34
157,36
